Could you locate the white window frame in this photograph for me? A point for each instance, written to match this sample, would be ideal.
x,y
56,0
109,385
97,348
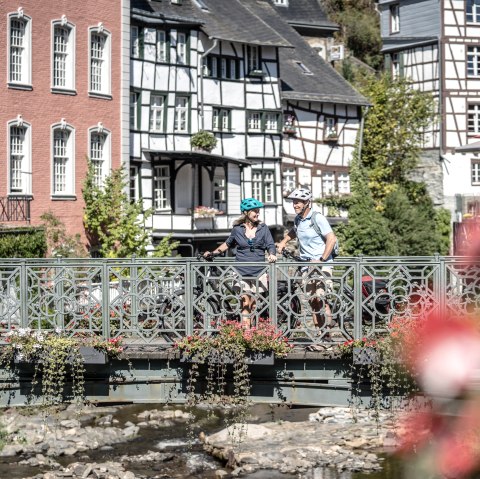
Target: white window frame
x,y
67,57
271,121
253,58
289,180
134,99
69,154
254,122
181,48
475,171
162,46
472,10
219,187
473,119
395,18
134,184
181,114
161,188
263,185
343,183
221,120
25,171
157,113
106,154
328,183
24,51
473,61
331,128
281,3
99,65
395,65
134,42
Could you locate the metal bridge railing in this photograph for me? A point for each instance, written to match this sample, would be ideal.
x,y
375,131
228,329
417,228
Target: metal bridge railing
x,y
152,301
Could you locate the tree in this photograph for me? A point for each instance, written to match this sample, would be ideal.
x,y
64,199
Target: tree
x,y
367,231
393,133
114,224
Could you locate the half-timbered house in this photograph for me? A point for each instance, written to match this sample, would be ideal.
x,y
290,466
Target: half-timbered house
x,y
435,43
223,67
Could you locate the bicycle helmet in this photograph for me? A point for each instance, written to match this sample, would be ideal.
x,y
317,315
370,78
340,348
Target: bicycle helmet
x,y
250,204
300,194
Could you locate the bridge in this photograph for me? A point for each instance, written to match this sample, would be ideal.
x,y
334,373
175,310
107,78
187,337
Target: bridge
x,y
151,303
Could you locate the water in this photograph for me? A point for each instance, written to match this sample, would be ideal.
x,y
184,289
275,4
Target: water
x,y
182,461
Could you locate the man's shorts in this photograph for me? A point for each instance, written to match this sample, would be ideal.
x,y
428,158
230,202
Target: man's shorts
x,y
316,281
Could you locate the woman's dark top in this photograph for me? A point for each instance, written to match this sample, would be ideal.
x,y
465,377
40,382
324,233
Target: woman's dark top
x,y
254,253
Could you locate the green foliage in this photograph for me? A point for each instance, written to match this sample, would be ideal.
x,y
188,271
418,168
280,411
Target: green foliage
x,y
113,223
204,140
23,243
60,244
165,247
367,231
393,133
443,229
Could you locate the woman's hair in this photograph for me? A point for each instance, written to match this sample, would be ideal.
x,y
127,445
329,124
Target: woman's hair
x,y
242,219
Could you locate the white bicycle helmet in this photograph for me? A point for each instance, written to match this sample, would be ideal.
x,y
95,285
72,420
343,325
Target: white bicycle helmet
x,y
300,194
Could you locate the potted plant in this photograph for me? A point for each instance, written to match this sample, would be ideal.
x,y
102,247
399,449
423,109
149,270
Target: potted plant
x,y
205,212
203,140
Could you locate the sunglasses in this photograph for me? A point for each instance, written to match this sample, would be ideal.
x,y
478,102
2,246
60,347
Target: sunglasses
x,y
250,243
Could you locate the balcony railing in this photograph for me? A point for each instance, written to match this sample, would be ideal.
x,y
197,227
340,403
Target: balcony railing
x,y
15,208
158,301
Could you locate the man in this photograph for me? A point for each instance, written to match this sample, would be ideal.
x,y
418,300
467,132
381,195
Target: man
x,y
314,247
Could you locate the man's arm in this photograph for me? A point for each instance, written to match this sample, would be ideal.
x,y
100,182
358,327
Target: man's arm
x,y
288,237
330,240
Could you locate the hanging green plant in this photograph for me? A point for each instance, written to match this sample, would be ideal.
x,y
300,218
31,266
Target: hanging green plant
x,y
203,140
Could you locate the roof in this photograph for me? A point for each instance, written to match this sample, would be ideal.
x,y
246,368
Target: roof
x,y
228,20
323,83
201,156
306,14
470,148
397,43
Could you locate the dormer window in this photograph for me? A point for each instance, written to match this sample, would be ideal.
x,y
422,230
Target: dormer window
x,y
281,3
253,60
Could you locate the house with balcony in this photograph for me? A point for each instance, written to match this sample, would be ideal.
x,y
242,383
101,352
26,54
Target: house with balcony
x,y
217,66
435,43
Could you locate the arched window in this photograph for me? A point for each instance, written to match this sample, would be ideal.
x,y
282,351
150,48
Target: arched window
x,y
19,49
63,55
99,64
63,160
99,153
19,157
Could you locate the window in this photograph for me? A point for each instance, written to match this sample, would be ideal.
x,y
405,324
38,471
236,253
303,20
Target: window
x,y
100,154
221,119
474,119
157,112
253,61
283,3
475,172
395,65
134,42
19,37
181,48
133,185
162,46
330,130
63,151
161,188
394,19
473,61
289,180
227,68
328,183
99,61
219,188
267,121
343,180
263,186
304,69
63,56
134,110
181,112
473,11
19,158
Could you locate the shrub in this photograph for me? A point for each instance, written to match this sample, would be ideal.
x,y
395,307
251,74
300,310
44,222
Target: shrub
x,y
203,140
23,243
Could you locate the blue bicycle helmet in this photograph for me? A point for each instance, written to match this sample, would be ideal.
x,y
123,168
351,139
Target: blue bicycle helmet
x,y
250,204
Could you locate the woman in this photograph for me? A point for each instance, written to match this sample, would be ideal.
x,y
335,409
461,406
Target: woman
x,y
252,239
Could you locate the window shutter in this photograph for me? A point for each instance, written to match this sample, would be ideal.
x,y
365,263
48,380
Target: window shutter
x,y
401,64
141,42
388,63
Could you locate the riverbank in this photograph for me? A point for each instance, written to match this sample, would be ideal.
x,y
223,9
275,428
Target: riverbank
x,y
151,443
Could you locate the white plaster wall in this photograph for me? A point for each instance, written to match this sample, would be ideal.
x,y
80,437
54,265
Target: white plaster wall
x,y
457,175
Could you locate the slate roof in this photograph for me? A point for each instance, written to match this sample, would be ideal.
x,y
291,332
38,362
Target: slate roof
x,y
324,84
305,13
227,20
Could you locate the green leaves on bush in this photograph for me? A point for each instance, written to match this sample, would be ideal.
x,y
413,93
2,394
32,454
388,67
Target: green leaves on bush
x,y
23,243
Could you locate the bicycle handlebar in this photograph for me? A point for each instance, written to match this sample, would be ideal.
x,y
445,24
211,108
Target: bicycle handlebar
x,y
210,257
289,255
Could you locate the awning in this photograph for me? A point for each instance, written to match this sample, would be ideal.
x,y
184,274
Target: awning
x,y
200,156
470,148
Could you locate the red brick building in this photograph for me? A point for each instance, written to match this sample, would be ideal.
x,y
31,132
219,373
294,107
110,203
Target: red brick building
x,y
61,101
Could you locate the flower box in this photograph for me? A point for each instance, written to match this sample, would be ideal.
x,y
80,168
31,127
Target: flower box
x,y
90,356
266,358
365,356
